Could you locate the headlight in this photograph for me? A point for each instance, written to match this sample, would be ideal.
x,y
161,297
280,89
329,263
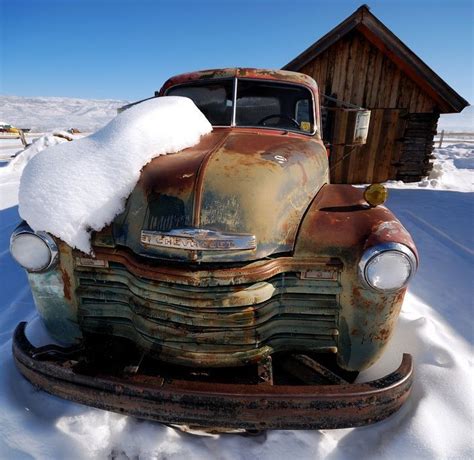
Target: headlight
x,y
387,267
34,251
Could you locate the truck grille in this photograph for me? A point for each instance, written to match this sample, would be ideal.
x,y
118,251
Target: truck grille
x,y
283,312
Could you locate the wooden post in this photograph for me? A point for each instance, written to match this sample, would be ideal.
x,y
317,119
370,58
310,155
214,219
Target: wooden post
x,y
21,134
441,139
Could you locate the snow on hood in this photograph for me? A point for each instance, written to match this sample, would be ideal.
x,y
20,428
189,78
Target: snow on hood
x,y
74,188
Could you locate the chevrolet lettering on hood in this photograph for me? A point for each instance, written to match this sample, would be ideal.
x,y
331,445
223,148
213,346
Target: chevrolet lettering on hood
x,y
238,289
198,239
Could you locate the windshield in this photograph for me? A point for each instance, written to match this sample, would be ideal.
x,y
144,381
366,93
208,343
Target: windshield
x,y
259,103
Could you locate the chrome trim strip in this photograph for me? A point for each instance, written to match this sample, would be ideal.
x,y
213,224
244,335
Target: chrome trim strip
x,y
198,239
374,251
23,229
234,106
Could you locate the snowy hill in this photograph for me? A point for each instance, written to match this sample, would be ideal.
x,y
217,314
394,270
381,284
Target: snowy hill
x,y
42,114
458,122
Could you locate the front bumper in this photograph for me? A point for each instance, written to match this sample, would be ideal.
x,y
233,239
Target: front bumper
x,y
214,404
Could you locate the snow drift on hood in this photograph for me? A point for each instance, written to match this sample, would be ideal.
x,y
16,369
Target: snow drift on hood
x,y
73,188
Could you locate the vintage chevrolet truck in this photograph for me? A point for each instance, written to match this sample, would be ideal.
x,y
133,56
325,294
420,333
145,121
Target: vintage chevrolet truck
x,y
238,289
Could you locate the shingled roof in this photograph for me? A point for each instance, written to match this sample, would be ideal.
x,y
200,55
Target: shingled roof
x,y
387,42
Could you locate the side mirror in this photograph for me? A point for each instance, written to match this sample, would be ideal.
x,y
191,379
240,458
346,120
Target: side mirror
x,y
361,126
344,123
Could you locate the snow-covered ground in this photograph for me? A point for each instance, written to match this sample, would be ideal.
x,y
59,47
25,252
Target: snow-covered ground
x,y
435,326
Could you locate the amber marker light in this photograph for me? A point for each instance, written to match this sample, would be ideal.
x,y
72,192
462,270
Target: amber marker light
x,y
376,194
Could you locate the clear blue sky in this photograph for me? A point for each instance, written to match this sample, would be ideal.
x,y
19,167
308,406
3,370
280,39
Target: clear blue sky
x,y
124,49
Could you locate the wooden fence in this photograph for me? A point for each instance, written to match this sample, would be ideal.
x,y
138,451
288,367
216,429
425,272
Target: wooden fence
x,y
453,138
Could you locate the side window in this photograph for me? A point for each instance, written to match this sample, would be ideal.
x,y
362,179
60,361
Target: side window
x,y
302,115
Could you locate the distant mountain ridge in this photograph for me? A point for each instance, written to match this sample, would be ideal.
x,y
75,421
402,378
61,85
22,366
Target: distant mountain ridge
x,y
43,114
458,122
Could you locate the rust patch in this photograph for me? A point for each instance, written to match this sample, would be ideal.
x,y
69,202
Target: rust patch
x,y
215,275
383,335
67,284
261,74
340,222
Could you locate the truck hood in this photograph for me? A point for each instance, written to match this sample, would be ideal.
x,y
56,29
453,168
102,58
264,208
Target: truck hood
x,y
237,195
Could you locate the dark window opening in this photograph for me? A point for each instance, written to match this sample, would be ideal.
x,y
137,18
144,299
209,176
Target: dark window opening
x,y
213,99
274,105
259,103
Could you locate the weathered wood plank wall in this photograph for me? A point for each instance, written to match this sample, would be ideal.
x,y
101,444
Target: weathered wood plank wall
x,y
398,146
414,162
356,71
377,160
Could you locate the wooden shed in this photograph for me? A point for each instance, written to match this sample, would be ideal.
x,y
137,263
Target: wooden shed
x,y
362,62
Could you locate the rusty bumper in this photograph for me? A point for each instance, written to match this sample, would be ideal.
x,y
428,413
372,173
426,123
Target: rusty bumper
x,y
213,404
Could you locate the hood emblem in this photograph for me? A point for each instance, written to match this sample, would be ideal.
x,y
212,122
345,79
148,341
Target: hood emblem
x,y
198,239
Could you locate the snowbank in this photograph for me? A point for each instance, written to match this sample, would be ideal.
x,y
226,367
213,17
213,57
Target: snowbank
x,y
18,163
71,189
453,169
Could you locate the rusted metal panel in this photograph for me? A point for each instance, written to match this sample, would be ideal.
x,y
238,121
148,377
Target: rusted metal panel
x,y
214,275
55,299
340,224
214,404
250,182
221,325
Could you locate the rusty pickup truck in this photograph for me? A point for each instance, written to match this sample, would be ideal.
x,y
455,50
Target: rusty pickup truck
x,y
238,289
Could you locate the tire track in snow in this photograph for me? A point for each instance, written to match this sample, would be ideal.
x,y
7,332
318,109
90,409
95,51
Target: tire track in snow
x,y
463,251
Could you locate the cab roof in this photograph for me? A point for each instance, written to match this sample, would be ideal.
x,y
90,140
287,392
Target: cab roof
x,y
239,72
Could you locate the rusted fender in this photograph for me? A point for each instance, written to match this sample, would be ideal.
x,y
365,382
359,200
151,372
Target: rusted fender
x,y
342,225
212,404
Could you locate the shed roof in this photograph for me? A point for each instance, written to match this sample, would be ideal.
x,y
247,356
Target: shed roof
x,y
388,43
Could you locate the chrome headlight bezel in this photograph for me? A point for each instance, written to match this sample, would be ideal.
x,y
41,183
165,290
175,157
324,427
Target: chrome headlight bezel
x,y
375,251
25,229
